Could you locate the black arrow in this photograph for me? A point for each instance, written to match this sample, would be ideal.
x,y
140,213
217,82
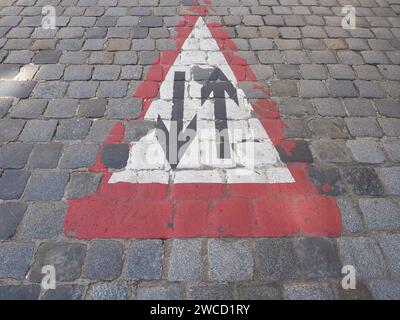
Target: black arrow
x,y
219,84
176,141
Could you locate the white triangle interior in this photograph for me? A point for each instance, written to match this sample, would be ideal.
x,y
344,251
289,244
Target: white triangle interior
x,y
254,158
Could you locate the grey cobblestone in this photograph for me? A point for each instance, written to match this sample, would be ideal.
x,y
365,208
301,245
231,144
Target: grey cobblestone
x,y
317,291
12,184
276,259
186,260
210,292
143,261
14,155
168,292
229,261
108,291
67,259
380,214
364,254
15,258
46,186
103,260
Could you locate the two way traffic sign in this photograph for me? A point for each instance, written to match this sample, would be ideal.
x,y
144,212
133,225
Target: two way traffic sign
x,y
210,166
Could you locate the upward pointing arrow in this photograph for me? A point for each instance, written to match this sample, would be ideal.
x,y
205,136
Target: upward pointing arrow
x,y
176,141
218,83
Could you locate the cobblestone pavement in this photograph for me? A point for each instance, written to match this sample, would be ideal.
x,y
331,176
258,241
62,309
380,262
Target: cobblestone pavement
x,y
62,90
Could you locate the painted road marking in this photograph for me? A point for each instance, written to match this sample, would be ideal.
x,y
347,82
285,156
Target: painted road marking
x,y
221,131
229,196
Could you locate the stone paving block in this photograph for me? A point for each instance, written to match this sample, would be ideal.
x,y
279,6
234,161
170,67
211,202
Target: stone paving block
x,y
92,108
17,89
385,289
112,89
390,178
50,72
168,292
342,88
106,72
259,292
312,89
370,89
276,259
329,107
390,244
61,108
363,127
327,180
351,219
366,151
143,260
28,109
286,71
210,292
123,108
15,257
45,156
392,147
313,72
317,291
73,129
79,156
46,186
186,260
131,72
19,56
5,105
390,126
388,107
341,72
67,259
82,89
100,130
10,217
367,72
14,155
364,254
78,72
64,292
50,90
47,57
331,151
296,128
295,106
380,213
43,220
19,292
108,291
103,260
38,131
284,88
359,107
361,292
12,184
82,184
9,71
229,261
363,181
329,128
115,155
320,257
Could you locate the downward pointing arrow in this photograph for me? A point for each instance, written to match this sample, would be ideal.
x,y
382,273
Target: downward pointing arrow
x,y
218,83
176,141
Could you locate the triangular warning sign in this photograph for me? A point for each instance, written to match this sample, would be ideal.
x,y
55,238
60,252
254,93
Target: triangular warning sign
x,y
207,163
